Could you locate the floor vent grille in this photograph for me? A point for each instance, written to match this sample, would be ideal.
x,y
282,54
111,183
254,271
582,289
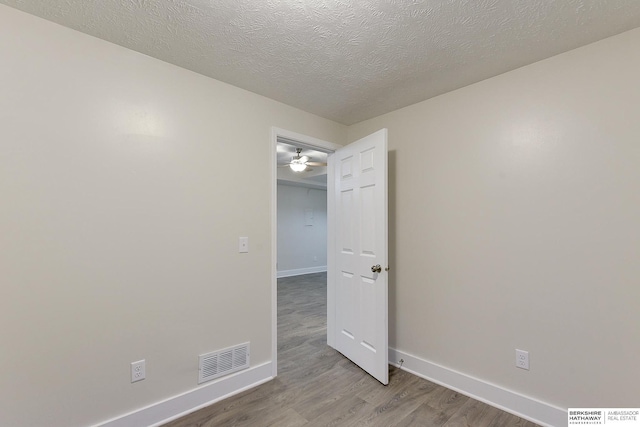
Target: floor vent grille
x,y
223,362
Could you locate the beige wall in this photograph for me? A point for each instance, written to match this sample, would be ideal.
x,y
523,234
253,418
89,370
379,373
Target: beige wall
x,y
120,212
515,223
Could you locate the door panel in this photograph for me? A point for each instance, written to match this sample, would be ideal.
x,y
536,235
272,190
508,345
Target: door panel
x,y
359,191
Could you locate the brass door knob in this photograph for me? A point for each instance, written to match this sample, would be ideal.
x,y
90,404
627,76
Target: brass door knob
x,y
376,268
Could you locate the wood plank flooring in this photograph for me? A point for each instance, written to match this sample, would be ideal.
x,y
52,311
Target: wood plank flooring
x,y
317,386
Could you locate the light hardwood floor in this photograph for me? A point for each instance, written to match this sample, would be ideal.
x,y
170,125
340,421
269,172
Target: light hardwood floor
x,y
317,386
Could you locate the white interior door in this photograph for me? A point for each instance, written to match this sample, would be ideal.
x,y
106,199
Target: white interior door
x,y
358,300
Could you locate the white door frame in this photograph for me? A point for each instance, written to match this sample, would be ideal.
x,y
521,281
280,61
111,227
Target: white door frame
x,y
315,144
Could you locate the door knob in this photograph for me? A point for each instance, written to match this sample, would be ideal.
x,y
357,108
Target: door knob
x,y
376,268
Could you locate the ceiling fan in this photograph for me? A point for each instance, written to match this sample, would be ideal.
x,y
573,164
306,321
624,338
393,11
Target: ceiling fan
x,y
299,163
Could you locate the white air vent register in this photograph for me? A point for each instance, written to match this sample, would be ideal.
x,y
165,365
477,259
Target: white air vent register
x,y
223,362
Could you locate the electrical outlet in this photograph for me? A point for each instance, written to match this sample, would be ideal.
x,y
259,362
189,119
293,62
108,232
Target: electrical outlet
x,y
138,371
522,359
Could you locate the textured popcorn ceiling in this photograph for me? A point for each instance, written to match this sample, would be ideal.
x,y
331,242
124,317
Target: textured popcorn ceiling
x,y
345,60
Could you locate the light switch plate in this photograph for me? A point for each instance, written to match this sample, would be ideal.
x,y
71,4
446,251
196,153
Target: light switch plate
x,y
243,245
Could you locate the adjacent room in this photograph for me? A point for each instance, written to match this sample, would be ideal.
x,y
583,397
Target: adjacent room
x,y
163,263
301,211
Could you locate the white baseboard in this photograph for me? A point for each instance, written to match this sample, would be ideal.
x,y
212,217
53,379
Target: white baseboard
x,y
301,271
507,400
185,403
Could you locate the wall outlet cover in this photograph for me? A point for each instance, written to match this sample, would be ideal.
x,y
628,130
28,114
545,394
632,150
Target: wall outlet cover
x,y
138,371
522,359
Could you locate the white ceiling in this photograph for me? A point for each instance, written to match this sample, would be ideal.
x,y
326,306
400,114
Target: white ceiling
x,y
345,60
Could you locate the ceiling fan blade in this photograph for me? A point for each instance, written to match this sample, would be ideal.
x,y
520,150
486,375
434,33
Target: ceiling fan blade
x,y
316,164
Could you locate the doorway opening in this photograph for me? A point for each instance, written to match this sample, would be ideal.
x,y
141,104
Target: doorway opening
x,y
301,211
288,147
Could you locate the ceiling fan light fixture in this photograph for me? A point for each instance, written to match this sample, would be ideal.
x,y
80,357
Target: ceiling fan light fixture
x,y
297,167
298,162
